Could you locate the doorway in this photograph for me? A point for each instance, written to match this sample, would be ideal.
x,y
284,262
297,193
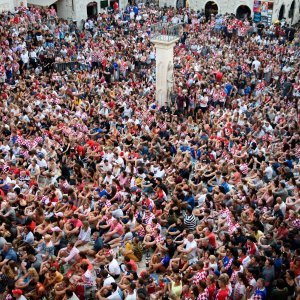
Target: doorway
x,y
180,4
292,11
243,12
211,8
92,9
281,12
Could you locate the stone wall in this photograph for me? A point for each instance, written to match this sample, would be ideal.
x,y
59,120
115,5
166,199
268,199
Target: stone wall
x,y
6,5
231,6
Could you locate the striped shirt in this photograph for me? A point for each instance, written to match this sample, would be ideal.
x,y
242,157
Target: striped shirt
x,y
190,221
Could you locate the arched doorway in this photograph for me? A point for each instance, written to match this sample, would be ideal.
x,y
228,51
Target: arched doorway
x,y
91,9
291,11
281,12
180,4
243,12
54,6
211,8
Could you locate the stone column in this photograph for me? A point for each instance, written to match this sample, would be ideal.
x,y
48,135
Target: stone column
x,y
123,4
164,70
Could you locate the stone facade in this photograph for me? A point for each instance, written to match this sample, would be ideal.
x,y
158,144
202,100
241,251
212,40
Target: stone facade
x,y
6,5
9,5
77,9
231,6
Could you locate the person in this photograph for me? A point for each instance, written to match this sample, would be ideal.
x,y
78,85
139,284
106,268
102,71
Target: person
x,y
92,162
18,294
70,295
280,291
69,253
8,253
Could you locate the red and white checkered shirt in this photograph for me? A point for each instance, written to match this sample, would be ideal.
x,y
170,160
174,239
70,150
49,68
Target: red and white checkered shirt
x,y
204,295
199,276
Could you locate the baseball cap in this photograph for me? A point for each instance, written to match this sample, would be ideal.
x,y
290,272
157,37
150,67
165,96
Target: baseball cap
x,y
17,292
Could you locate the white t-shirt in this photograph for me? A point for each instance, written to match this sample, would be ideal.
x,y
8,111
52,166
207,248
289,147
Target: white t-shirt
x,y
131,297
269,172
108,281
115,295
193,254
256,64
114,267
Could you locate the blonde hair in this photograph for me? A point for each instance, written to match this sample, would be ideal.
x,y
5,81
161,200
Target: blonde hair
x,y
34,274
212,257
47,237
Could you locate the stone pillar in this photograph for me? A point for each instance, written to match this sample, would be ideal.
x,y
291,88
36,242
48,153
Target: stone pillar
x,y
164,70
123,4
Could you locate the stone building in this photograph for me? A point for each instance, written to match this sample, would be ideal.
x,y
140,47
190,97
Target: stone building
x,y
9,5
276,10
81,9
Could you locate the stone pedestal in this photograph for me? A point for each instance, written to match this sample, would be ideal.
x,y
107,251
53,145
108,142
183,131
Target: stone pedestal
x,y
164,68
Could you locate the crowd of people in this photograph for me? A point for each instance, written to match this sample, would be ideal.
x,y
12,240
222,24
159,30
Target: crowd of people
x,y
107,195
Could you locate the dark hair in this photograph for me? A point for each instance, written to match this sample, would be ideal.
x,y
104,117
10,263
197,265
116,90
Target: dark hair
x,y
69,293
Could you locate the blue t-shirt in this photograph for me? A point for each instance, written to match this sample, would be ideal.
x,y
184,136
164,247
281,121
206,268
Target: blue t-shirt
x,y
261,293
11,255
166,260
136,10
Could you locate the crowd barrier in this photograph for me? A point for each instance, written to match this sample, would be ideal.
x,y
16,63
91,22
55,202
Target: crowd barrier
x,y
71,65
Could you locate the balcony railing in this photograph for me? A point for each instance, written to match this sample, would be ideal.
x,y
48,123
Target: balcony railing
x,y
166,32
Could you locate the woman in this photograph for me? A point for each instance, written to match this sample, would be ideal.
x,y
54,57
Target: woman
x,y
180,263
290,283
175,287
223,292
239,291
133,249
83,210
139,230
6,278
60,288
84,236
44,227
46,248
28,281
268,272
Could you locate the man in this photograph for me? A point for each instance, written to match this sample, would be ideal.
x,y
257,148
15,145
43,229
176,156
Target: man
x,y
97,245
189,219
260,291
8,253
72,226
189,247
200,274
281,191
26,237
113,267
70,295
210,236
8,213
68,254
116,231
159,261
18,294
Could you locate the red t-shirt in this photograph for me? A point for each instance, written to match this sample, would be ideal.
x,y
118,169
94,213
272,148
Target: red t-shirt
x,y
133,265
212,240
211,291
222,294
219,76
31,226
76,222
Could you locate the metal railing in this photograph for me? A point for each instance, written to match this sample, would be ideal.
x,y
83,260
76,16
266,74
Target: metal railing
x,y
71,65
165,31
